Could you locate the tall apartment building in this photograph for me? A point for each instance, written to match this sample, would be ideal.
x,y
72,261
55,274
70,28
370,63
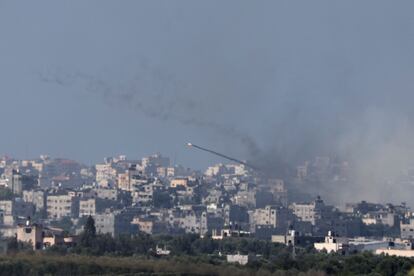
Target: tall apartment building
x,y
274,216
105,174
407,230
37,197
64,205
309,212
93,206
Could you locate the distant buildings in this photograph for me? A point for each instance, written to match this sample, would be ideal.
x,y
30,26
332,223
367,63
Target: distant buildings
x,y
153,196
240,259
62,205
115,223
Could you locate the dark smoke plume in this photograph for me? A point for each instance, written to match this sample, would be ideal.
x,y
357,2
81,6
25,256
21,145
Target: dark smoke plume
x,y
159,96
290,84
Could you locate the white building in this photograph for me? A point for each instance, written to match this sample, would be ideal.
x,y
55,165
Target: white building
x,y
239,259
332,244
59,206
106,175
395,252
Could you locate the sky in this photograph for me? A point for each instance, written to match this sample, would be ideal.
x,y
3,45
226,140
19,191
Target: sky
x,y
269,81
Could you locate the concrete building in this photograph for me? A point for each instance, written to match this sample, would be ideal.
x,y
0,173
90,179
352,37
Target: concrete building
x,y
87,207
380,217
229,233
362,244
213,197
407,229
31,233
240,259
309,212
395,252
278,191
295,238
151,163
149,225
37,197
215,170
182,182
93,206
333,244
237,215
302,172
12,209
156,159
7,207
64,205
105,175
115,223
16,183
192,220
245,198
274,216
129,178
145,193
109,194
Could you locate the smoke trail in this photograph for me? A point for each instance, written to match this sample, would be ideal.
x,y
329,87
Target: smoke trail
x,y
157,95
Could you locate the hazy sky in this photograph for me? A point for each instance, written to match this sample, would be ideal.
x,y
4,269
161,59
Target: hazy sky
x,y
89,79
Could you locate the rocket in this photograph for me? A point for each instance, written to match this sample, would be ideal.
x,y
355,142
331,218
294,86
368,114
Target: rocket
x,y
191,145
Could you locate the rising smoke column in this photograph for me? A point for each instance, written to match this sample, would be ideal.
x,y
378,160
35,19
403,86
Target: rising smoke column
x,y
340,85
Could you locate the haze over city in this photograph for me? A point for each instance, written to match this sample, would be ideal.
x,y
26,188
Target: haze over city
x,y
268,82
298,108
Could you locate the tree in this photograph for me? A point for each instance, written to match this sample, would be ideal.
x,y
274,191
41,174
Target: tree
x,y
88,236
12,244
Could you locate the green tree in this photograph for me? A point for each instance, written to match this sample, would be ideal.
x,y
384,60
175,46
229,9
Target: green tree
x,y
88,236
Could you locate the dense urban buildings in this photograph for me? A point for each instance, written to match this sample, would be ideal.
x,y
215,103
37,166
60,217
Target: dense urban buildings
x,y
153,196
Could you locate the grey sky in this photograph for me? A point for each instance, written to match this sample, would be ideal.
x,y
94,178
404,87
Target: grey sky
x,y
297,77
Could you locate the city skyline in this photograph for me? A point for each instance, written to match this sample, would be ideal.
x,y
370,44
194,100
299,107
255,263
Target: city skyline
x,y
183,137
318,85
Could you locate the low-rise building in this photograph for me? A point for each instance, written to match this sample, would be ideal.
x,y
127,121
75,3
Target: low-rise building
x,y
229,233
240,259
31,233
333,244
183,182
12,209
384,218
295,238
115,223
149,225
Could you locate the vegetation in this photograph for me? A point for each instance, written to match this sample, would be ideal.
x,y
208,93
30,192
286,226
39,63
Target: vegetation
x,y
40,264
190,255
50,263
